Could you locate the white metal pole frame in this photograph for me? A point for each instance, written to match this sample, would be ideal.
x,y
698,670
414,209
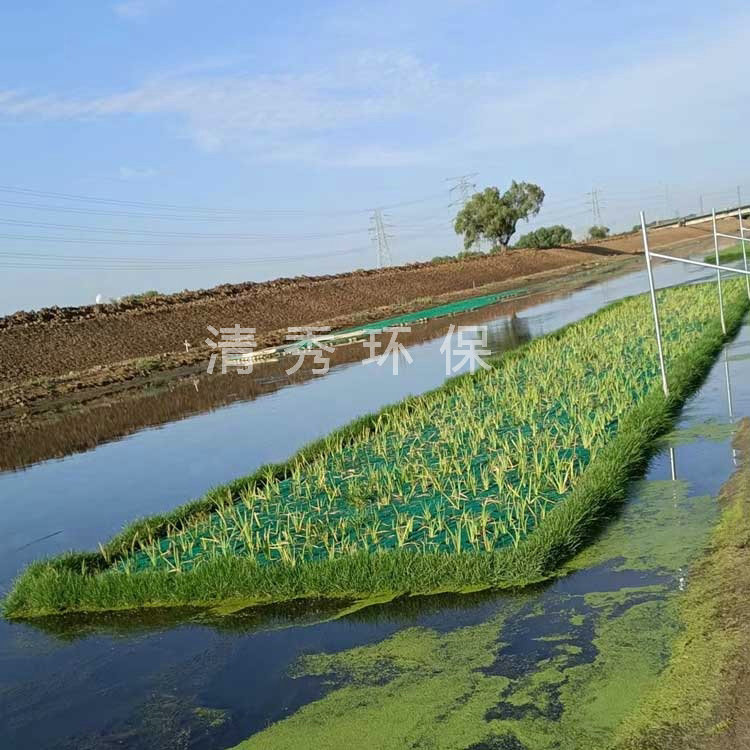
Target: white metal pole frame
x,y
744,249
655,307
701,264
718,272
689,262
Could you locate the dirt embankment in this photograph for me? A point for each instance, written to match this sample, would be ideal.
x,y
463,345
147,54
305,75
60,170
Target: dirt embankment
x,y
54,342
54,430
669,236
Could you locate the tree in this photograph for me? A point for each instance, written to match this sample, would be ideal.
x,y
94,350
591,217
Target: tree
x,y
553,236
598,233
491,216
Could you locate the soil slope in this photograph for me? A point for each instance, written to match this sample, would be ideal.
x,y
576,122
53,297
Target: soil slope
x,y
56,341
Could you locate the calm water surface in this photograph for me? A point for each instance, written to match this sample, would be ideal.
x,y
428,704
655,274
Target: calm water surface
x,y
124,682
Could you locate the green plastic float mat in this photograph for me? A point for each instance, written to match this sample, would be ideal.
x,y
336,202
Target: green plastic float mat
x,y
452,308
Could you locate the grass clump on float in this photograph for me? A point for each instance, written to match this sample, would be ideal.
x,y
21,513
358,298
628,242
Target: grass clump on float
x,y
489,480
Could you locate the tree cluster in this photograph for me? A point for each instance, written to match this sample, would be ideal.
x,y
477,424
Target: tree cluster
x,y
544,237
493,216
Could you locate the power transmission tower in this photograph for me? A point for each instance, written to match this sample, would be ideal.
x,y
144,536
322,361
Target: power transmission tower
x,y
462,189
460,193
381,237
596,209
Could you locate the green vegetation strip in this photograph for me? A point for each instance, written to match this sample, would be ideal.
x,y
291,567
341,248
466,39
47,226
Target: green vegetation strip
x,y
490,480
450,308
730,255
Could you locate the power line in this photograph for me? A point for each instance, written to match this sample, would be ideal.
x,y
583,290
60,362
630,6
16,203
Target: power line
x,y
184,235
218,213
411,227
95,262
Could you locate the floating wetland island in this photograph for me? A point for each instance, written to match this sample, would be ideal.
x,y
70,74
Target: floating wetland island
x,y
491,480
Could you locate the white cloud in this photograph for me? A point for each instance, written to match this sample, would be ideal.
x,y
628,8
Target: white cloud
x,y
393,109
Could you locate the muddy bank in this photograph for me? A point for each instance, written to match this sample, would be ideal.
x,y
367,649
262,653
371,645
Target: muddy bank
x,y
83,419
77,339
44,361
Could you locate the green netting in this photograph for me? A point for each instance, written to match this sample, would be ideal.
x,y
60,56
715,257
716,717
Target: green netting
x,y
452,308
473,466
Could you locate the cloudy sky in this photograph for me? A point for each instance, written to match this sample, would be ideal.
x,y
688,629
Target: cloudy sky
x,y
175,143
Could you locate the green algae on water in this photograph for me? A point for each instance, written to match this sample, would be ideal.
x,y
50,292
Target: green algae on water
x,y
663,527
710,430
587,661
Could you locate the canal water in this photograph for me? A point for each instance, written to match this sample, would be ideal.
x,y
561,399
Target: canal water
x,y
198,680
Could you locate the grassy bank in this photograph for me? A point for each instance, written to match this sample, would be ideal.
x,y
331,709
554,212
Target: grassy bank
x,y
730,255
490,480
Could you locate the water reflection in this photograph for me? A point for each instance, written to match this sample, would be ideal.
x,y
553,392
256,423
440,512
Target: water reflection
x,y
112,416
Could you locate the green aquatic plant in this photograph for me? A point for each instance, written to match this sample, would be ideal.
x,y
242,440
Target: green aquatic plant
x,y
488,480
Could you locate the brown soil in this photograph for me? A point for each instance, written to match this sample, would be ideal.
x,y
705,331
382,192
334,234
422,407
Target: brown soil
x,y
23,401
54,342
669,236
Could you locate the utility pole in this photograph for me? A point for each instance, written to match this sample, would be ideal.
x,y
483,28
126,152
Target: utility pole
x,y
460,193
739,196
700,203
381,237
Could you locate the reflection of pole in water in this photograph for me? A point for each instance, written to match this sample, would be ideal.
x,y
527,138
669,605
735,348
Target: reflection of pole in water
x,y
676,494
729,383
673,463
735,457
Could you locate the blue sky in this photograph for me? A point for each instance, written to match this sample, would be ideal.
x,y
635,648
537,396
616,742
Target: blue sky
x,y
202,136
